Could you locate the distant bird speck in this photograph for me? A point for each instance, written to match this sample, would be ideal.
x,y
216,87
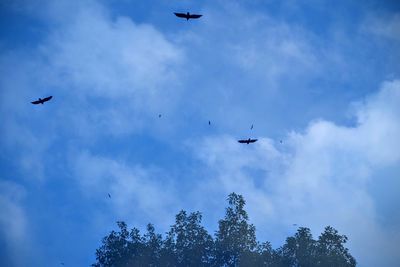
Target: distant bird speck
x,y
280,141
209,122
109,195
41,101
295,224
251,128
159,115
187,16
247,141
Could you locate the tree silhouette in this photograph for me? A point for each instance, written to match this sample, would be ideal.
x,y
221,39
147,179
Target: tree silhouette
x,y
119,248
331,250
299,250
188,243
235,236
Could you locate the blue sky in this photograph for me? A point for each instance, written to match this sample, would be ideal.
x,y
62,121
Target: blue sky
x,y
321,76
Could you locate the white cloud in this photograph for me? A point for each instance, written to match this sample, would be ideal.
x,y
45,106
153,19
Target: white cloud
x,y
108,76
118,72
320,177
13,224
137,194
387,27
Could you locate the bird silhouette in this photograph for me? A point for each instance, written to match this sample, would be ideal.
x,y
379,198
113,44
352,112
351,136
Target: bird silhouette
x,y
247,141
187,15
159,115
109,195
251,128
209,122
41,101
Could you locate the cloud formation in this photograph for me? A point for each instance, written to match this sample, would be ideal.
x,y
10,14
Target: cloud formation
x,y
324,175
388,27
13,224
138,194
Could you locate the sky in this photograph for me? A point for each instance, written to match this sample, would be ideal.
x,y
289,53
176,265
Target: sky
x,y
322,76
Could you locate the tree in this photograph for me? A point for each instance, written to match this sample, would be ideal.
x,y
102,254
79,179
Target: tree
x,y
119,248
188,243
299,250
191,243
152,248
235,236
331,251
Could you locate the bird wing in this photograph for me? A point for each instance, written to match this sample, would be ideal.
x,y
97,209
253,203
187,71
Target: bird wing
x,y
36,102
47,98
252,140
242,141
181,15
194,16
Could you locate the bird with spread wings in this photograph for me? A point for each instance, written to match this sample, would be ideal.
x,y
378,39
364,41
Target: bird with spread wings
x,y
187,16
247,141
41,101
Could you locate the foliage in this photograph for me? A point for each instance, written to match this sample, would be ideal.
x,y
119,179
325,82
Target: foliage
x,y
188,243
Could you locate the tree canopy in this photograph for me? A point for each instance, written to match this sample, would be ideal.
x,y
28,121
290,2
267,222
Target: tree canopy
x,y
188,243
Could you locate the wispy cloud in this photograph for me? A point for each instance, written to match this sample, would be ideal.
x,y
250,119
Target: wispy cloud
x,y
387,27
13,224
138,193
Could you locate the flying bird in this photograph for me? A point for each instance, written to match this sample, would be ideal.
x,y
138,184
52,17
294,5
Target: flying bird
x,y
159,115
109,195
251,128
187,16
247,141
41,101
209,122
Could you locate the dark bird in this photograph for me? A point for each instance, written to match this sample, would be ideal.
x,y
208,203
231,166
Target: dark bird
x,y
251,128
109,195
209,122
247,141
41,101
187,16
159,115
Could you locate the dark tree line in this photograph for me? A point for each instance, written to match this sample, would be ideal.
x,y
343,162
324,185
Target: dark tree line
x,y
189,244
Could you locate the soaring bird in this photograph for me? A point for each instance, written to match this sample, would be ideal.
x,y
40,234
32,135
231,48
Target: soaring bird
x,y
251,128
209,122
187,16
109,195
247,141
41,101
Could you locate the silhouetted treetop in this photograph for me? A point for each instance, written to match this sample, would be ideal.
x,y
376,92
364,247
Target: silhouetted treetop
x,y
188,243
